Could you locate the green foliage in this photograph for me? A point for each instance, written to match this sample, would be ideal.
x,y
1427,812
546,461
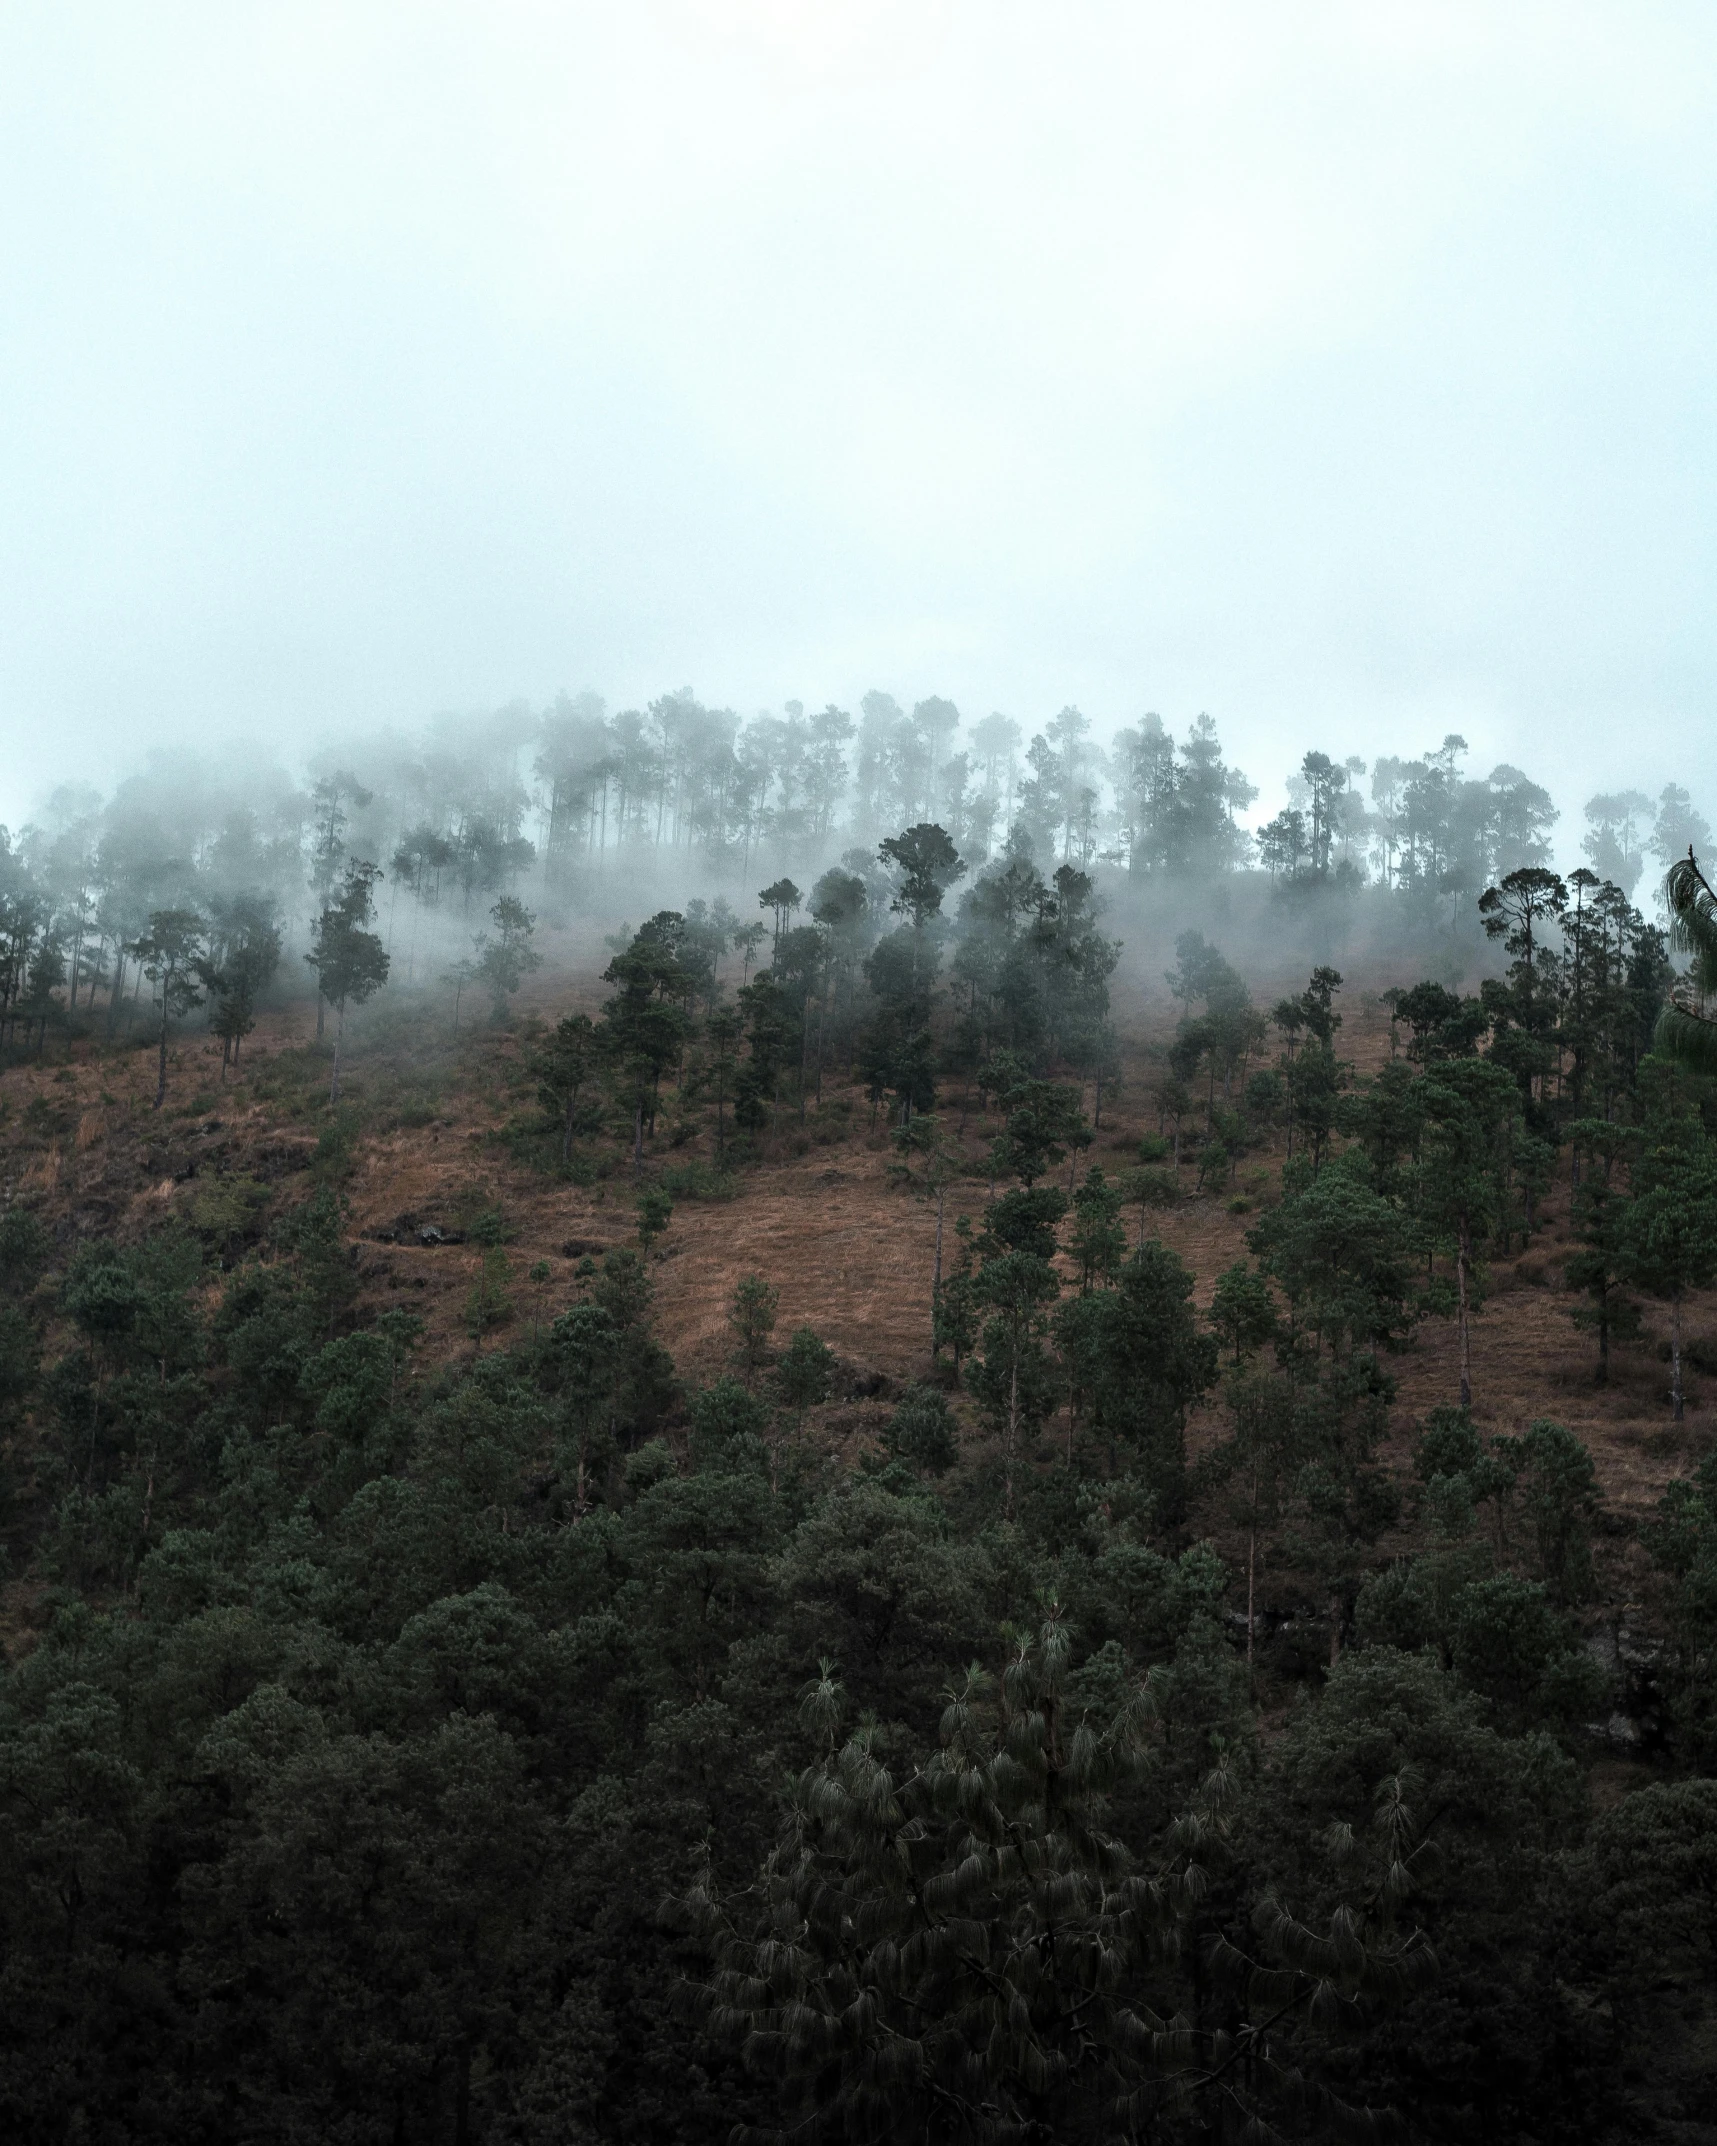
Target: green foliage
x,y
1098,1242
1242,1311
1556,1485
488,1305
505,958
564,1065
1508,1644
972,1945
922,1432
25,1249
1151,1364
314,1235
752,1320
655,1212
804,1372
1345,1259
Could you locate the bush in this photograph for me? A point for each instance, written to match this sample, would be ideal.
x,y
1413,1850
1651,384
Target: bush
x,y
923,1432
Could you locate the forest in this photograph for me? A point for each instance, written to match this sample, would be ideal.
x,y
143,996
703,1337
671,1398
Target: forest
x,y
845,1426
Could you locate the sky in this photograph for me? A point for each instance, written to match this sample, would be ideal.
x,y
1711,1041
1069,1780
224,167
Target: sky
x,y
1343,370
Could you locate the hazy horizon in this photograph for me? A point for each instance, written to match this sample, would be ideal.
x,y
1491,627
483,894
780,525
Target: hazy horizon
x,y
1343,375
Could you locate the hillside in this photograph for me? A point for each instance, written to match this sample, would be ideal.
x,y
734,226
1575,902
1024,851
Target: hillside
x,y
434,1130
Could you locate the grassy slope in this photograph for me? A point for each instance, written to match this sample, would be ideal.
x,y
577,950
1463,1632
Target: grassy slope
x,y
425,1133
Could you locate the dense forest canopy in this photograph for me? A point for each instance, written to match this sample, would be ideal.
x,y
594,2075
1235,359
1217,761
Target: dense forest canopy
x,y
1102,1708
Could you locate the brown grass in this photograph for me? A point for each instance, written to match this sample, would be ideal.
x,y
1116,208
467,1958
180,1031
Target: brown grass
x,y
849,1249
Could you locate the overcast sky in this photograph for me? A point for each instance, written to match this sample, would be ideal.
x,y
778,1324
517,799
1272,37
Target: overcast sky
x,y
1346,371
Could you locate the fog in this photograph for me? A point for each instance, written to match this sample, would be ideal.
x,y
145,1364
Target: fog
x,y
1343,374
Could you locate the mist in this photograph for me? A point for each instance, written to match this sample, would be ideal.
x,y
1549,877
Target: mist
x,y
583,819
1349,374
858,1073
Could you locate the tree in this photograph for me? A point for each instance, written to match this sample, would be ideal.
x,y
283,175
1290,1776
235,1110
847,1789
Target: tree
x,y
1685,1031
244,968
1558,1487
926,865
505,960
1242,1311
783,898
1097,1241
1671,1240
1043,1120
1471,1107
644,1023
655,1212
1600,1220
1344,1258
922,1432
488,1304
804,1372
350,960
752,1318
1259,1458
563,1063
1518,911
1012,1382
1151,1365
971,1949
171,952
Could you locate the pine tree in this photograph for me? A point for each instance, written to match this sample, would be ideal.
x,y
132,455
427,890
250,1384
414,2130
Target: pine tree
x,y
1685,1031
350,961
563,1065
172,952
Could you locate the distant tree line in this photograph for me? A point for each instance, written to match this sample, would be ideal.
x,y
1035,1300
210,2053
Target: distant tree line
x,y
445,831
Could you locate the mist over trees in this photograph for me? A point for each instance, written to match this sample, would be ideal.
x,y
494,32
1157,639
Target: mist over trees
x,y
455,831
492,1732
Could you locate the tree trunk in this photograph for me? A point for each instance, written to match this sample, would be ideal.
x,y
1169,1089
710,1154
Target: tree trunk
x,y
638,1137
1251,1596
339,1037
1675,1353
161,1073
1013,1428
1463,1249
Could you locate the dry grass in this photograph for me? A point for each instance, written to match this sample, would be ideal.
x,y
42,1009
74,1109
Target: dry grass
x,y
850,1251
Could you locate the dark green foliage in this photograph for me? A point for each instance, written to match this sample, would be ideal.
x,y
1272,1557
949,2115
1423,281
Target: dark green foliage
x,y
1345,1259
1555,1488
25,1249
752,1319
1685,1030
804,1372
922,1432
1097,1241
1151,1364
1242,1311
564,1065
655,1212
969,1944
1508,1644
